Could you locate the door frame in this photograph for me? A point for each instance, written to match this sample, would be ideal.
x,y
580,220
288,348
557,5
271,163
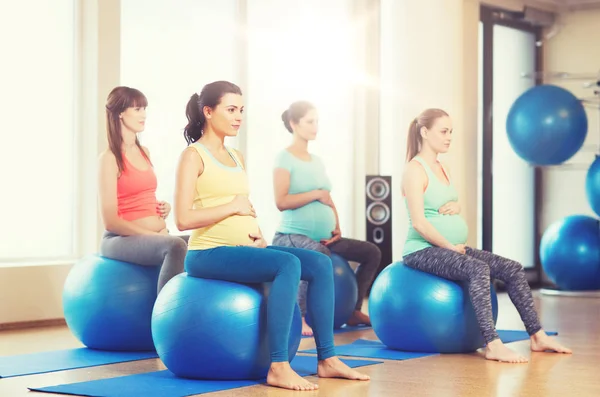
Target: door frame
x,y
489,17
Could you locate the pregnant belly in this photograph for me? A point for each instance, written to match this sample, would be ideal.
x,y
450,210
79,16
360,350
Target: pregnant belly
x,y
316,220
452,227
235,230
154,223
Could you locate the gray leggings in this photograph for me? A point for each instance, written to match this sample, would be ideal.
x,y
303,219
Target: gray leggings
x,y
363,252
477,267
162,250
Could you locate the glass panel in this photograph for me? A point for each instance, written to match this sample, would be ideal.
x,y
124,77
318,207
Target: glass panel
x,y
513,183
37,156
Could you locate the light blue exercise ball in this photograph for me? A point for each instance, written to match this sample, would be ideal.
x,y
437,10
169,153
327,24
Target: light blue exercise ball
x,y
546,125
345,289
213,329
416,311
570,253
108,303
592,185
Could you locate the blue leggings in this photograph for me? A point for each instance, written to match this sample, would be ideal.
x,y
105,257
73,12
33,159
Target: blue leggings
x,y
285,267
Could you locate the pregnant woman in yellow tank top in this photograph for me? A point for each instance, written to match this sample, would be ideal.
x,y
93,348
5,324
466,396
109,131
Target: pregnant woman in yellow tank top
x,y
437,236
211,199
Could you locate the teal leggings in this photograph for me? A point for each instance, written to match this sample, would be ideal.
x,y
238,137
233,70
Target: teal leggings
x,y
284,267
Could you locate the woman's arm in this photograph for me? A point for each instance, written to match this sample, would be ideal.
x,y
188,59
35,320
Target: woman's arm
x,y
413,183
186,217
286,201
107,187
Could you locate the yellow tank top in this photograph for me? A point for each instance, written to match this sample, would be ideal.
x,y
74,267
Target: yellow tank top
x,y
217,185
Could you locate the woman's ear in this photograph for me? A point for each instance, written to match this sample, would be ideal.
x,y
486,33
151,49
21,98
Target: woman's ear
x,y
207,112
423,132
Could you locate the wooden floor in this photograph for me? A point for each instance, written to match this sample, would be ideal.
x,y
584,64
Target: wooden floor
x,y
576,319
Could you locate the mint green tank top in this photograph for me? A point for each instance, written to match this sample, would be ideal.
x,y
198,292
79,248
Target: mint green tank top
x,y
452,227
315,219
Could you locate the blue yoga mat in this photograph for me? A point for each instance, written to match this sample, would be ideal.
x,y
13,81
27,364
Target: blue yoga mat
x,y
165,384
375,349
508,336
59,360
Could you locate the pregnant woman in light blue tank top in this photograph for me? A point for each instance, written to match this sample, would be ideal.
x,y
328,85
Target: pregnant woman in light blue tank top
x,y
437,236
309,218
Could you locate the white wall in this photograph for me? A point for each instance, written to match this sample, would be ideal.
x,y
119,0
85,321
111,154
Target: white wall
x,y
436,67
575,49
32,293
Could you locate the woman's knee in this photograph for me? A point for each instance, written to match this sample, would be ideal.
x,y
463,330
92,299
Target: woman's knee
x,y
374,252
515,269
177,245
289,264
479,271
320,266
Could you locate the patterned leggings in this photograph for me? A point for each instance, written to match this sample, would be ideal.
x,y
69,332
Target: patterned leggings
x,y
477,267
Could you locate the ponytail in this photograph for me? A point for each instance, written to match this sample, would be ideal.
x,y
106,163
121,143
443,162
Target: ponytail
x,y
414,140
285,117
193,130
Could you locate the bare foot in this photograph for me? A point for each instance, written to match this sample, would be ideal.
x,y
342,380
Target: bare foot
x,y
306,329
541,342
358,318
333,367
496,350
282,375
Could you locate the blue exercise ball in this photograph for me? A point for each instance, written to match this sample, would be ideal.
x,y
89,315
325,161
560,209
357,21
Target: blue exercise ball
x,y
570,253
546,125
592,185
108,303
345,290
416,311
213,329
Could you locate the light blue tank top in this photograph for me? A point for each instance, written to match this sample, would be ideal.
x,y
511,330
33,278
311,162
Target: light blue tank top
x,y
315,219
437,193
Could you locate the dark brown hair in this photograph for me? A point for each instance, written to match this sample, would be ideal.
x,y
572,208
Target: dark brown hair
x,y
210,96
295,112
120,99
414,141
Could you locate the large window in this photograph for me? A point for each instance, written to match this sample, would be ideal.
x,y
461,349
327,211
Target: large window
x,y
37,155
169,52
305,53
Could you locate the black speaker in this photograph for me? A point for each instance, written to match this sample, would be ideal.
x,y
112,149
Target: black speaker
x,y
378,191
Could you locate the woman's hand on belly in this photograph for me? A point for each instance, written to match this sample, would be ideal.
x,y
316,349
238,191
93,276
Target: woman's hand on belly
x,y
336,235
450,208
152,223
259,241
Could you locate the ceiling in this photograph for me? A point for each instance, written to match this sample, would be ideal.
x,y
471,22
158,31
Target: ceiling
x,y
563,5
546,5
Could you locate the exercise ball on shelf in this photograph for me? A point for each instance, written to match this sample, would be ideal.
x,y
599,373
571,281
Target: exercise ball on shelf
x,y
546,125
570,253
592,185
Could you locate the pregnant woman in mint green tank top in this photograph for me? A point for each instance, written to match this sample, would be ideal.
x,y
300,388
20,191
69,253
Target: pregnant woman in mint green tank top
x,y
309,218
437,236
